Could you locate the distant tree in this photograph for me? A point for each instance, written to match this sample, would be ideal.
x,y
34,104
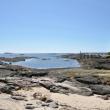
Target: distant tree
x,y
108,53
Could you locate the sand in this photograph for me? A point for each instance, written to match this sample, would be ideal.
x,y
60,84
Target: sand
x,y
6,103
77,101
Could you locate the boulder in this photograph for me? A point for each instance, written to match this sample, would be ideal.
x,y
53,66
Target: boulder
x,y
88,79
30,107
61,78
104,97
8,89
45,104
31,74
67,107
79,88
2,85
100,89
65,88
3,80
53,105
85,91
18,97
59,89
46,84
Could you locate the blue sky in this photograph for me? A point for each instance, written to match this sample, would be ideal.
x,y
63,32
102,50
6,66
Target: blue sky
x,y
54,25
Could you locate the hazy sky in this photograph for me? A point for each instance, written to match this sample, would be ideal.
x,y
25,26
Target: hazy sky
x,y
54,25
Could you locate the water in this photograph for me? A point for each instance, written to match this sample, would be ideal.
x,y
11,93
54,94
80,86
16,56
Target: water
x,y
44,61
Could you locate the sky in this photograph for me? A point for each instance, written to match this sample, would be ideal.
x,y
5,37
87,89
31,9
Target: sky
x,y
54,26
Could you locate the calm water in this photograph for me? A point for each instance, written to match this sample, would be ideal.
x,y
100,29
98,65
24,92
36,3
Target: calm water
x,y
43,61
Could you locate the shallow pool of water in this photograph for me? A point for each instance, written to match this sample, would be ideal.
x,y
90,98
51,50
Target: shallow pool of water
x,y
44,61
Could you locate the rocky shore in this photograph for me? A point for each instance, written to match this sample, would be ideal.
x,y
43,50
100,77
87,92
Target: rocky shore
x,y
15,59
24,88
45,89
91,61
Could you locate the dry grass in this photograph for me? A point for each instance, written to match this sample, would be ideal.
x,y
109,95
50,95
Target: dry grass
x,y
102,73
